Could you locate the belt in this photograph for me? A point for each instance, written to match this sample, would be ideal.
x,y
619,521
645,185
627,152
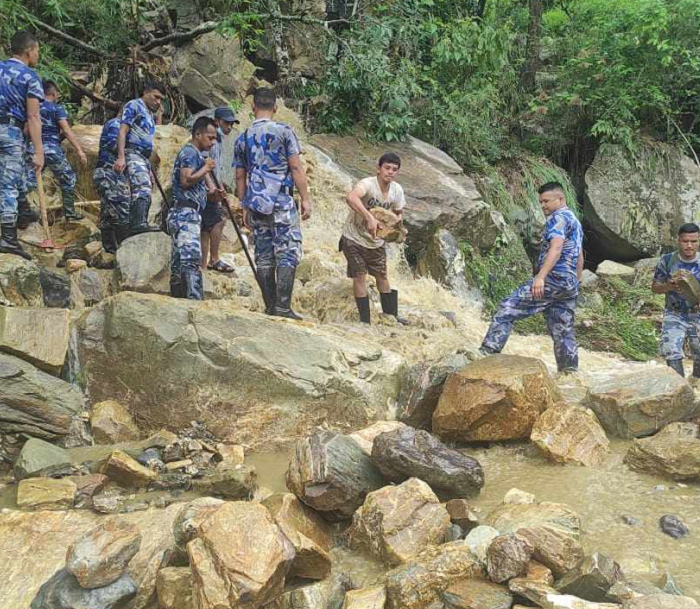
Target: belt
x,y
11,120
187,204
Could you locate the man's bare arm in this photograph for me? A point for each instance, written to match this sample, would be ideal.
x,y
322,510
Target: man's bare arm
x,y
299,177
72,140
120,163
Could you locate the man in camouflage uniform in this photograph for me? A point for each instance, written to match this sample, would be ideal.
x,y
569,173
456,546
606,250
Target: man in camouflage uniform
x,y
681,318
267,166
21,94
134,149
184,222
554,289
113,188
54,123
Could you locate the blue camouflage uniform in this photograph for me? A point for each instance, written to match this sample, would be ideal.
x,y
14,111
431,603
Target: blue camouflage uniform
x,y
139,147
51,114
262,150
18,82
680,320
560,294
184,224
113,187
213,212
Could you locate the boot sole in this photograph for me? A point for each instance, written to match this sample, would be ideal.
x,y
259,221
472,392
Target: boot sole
x,y
21,253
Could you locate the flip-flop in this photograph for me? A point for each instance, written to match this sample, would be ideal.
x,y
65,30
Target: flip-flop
x,y
221,267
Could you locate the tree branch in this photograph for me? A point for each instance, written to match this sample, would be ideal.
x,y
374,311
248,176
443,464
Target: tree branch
x,y
79,44
109,103
204,28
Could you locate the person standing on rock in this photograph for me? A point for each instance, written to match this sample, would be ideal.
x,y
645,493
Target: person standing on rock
x,y
55,126
363,250
681,318
184,221
21,95
268,166
213,218
554,288
113,188
134,149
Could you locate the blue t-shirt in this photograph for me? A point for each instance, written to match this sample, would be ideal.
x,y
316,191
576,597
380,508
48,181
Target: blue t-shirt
x,y
668,265
191,158
51,114
18,82
265,159
562,223
108,143
142,126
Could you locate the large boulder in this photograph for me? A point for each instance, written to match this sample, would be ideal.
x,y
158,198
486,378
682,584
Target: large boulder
x,y
408,452
36,403
498,397
673,452
174,587
63,590
592,578
507,557
46,494
240,554
188,519
332,474
37,336
633,212
365,437
19,282
271,378
636,404
570,434
143,264
397,522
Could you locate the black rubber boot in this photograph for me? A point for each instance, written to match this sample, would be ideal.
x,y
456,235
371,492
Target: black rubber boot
x,y
191,279
696,369
109,240
176,286
268,285
677,365
25,214
363,308
69,212
285,287
139,217
121,232
9,244
390,305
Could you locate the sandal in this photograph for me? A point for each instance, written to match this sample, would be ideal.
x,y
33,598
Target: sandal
x,y
221,267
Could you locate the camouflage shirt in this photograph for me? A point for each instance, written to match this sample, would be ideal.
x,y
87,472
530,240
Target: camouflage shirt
x,y
18,82
142,127
668,265
562,223
108,142
51,114
191,158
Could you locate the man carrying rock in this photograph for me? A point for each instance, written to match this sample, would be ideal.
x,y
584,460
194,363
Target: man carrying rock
x,y
184,222
213,218
113,188
681,316
554,289
364,250
55,126
268,166
21,94
134,149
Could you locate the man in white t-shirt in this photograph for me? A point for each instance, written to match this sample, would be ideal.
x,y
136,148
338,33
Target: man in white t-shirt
x,y
364,251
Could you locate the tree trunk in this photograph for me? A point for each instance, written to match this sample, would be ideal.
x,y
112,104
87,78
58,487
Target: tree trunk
x,y
532,49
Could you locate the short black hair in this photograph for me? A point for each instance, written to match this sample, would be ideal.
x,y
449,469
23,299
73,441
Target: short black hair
x,y
202,124
153,85
549,187
21,42
264,98
390,157
49,85
688,228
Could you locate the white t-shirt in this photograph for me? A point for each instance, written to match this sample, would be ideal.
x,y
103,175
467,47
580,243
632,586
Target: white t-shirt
x,y
355,227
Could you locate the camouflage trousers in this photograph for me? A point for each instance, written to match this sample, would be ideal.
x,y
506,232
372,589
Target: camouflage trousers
x,y
56,161
138,170
12,177
559,307
184,227
277,238
675,328
115,196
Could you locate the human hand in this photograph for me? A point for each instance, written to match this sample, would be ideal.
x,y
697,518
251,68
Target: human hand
x,y
120,164
209,164
305,209
38,161
246,219
538,288
373,226
82,158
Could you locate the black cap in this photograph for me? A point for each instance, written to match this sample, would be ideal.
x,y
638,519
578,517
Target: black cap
x,y
226,114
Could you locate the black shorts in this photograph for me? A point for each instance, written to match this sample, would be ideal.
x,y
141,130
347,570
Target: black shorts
x,y
212,214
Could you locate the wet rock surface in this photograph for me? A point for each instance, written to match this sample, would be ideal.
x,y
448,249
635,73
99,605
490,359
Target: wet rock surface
x,y
673,452
476,593
507,557
673,526
111,423
40,458
46,494
592,578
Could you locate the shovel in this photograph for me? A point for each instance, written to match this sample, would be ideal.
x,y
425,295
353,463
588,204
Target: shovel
x,y
47,244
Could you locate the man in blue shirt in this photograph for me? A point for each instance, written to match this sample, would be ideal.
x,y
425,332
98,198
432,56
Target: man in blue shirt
x,y
554,289
21,94
189,197
681,319
134,149
54,124
267,168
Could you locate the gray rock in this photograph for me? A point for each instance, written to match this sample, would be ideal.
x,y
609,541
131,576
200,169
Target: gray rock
x,y
454,533
462,514
55,287
39,458
421,389
621,592
63,591
239,482
476,594
20,285
661,601
507,557
408,452
588,279
630,520
673,526
143,264
149,455
673,452
478,541
592,578
326,594
668,585
188,520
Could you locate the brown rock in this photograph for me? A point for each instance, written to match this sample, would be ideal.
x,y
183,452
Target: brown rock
x,y
87,486
365,598
365,437
495,398
240,557
546,597
462,514
111,423
661,601
101,556
126,471
238,482
306,531
592,578
397,522
45,494
325,594
390,225
570,434
231,455
507,557
73,265
188,520
673,452
174,587
539,573
472,593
